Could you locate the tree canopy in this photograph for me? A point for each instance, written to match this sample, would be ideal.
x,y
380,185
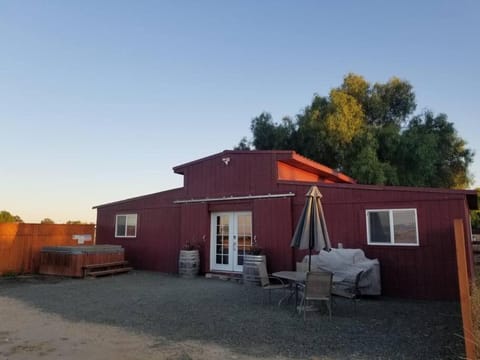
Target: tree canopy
x,y
74,222
475,214
6,216
47,221
370,132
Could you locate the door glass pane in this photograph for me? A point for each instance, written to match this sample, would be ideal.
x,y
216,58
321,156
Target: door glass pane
x,y
379,225
405,226
222,239
244,236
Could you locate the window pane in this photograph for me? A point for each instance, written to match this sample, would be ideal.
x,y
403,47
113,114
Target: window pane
x,y
405,227
130,230
379,224
131,225
121,224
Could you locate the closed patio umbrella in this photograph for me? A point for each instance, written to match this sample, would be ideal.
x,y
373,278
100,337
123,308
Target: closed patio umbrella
x,y
311,232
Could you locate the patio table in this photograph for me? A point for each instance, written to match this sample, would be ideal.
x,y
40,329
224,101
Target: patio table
x,y
300,276
294,278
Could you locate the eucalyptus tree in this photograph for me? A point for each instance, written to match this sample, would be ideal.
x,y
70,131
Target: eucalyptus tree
x,y
369,131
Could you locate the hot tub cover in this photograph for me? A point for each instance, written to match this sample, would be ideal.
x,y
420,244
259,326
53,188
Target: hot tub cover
x,y
83,249
345,264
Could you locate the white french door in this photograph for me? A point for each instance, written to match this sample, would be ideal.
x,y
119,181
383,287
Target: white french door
x,y
231,237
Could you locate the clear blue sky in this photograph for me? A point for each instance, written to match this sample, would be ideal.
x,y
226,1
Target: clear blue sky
x,y
100,99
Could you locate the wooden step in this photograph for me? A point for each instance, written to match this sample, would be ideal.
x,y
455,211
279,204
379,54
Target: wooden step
x,y
102,265
224,276
109,271
105,268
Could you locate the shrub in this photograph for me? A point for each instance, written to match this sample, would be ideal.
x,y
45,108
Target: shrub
x,y
10,273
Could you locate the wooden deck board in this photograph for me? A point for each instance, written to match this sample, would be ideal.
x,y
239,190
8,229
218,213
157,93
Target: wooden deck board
x,y
109,271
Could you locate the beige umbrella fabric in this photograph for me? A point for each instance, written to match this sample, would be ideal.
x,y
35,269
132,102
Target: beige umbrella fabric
x,y
311,232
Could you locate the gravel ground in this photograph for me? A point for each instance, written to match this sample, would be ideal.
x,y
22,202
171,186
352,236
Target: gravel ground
x,y
240,319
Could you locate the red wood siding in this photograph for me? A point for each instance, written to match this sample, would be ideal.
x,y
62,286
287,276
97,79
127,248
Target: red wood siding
x,y
158,237
195,228
272,227
425,271
241,176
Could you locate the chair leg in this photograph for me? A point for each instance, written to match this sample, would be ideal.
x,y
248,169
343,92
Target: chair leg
x,y
300,306
356,299
329,306
285,296
304,310
296,296
304,305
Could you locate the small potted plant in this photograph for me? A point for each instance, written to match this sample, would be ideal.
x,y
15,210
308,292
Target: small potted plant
x,y
189,260
255,249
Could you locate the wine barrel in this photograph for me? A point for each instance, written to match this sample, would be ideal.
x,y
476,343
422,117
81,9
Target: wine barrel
x,y
250,269
188,263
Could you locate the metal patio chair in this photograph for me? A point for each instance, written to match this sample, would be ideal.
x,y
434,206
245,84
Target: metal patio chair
x,y
267,285
352,293
317,287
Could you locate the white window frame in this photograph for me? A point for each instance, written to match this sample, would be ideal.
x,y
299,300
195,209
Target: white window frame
x,y
392,233
127,216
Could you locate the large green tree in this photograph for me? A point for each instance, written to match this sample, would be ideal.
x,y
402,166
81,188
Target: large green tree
x,y
6,216
370,132
431,153
475,214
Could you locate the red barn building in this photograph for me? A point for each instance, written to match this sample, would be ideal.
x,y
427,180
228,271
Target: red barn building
x,y
235,197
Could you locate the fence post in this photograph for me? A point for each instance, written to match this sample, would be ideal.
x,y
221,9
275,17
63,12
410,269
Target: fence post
x,y
464,286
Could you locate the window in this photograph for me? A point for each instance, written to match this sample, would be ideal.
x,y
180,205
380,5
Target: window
x,y
126,225
392,227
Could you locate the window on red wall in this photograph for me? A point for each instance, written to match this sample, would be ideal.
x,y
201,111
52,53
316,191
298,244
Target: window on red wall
x,y
392,227
126,226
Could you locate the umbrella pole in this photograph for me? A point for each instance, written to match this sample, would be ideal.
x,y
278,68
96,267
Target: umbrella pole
x,y
310,261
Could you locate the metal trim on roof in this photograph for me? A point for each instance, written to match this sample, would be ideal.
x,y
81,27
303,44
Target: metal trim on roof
x,y
229,198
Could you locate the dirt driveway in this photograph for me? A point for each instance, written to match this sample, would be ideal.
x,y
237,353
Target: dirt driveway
x,y
27,333
146,315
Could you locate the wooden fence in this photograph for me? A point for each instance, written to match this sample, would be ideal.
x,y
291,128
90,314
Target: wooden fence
x,y
476,248
20,243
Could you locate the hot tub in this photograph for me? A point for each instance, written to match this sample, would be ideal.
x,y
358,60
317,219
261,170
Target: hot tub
x,y
69,260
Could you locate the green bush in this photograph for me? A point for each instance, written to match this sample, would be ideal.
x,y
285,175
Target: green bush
x,y
10,273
